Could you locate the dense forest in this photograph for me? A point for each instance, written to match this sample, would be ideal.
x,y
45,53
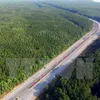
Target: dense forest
x,y
73,88
86,8
31,34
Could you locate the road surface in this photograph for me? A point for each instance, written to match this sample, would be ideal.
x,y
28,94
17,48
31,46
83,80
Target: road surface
x,y
31,88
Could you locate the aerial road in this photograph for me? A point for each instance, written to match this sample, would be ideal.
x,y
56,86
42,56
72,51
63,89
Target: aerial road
x,y
33,86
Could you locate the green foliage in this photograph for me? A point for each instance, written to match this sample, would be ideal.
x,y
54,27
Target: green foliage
x,y
39,33
86,8
76,89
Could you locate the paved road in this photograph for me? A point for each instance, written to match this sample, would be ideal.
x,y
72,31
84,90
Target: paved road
x,y
32,87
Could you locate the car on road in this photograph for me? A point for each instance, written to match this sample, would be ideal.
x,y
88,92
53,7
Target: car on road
x,y
16,99
44,66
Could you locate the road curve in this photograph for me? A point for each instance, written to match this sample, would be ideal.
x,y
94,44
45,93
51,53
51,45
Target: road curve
x,y
32,87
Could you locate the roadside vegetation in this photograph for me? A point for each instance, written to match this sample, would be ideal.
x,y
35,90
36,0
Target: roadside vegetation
x,y
31,34
73,88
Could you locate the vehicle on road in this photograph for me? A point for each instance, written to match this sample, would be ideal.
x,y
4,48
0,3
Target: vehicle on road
x,y
16,98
